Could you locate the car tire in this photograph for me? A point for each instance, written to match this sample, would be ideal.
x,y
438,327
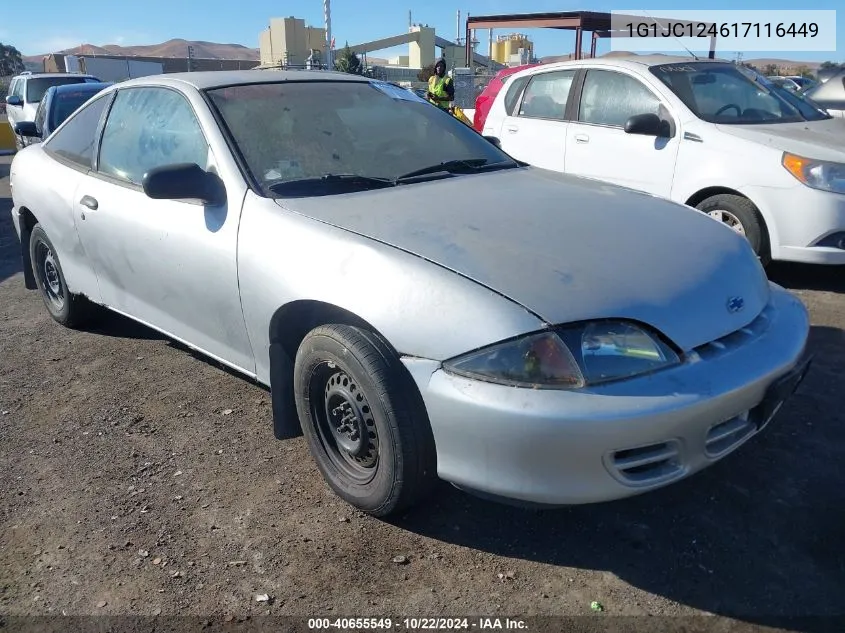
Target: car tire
x,y
741,215
67,309
364,420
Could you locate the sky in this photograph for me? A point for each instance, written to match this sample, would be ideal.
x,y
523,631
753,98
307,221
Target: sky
x,y
66,24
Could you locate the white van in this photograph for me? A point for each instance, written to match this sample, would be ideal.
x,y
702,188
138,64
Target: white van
x,y
711,134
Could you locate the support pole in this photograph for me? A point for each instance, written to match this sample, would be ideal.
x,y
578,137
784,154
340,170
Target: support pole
x,y
327,16
578,35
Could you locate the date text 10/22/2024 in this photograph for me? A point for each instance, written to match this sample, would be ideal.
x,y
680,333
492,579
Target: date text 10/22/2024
x,y
415,624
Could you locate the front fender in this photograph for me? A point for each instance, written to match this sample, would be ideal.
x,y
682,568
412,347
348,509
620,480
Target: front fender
x,y
421,308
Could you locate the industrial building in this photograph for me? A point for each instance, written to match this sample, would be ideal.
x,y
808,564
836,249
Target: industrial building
x,y
512,50
289,42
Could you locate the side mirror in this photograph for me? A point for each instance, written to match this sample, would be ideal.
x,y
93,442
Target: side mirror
x,y
26,128
14,100
184,181
646,125
495,140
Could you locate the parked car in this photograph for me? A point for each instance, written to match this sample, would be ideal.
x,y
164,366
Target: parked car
x,y
804,83
786,83
830,95
488,95
58,103
26,90
418,303
713,135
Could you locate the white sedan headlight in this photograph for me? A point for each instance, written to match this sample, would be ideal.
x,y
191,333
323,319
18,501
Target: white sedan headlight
x,y
569,357
817,174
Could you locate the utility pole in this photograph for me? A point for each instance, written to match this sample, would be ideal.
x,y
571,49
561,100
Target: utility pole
x,y
327,16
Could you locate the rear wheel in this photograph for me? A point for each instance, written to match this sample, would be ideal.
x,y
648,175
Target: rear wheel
x,y
742,216
363,418
68,309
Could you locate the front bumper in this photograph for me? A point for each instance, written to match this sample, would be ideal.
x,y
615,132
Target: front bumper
x,y
560,448
805,225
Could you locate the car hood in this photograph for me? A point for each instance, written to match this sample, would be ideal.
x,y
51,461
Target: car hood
x,y
567,249
823,140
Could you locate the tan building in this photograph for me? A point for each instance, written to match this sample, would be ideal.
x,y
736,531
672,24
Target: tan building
x,y
506,49
289,41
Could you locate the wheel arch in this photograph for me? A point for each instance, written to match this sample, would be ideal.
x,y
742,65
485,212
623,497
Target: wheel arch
x,y
708,192
289,325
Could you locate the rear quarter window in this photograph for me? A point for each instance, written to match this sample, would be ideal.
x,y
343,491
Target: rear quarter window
x,y
514,91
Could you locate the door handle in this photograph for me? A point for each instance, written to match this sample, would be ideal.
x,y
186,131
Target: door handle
x,y
512,129
582,138
88,201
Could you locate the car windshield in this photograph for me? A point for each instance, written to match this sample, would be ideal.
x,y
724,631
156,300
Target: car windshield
x,y
349,133
731,94
65,103
37,86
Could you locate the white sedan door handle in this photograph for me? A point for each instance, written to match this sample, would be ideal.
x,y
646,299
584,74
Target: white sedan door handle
x,y
512,129
582,138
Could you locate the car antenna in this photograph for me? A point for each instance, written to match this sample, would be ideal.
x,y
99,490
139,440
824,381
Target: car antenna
x,y
694,56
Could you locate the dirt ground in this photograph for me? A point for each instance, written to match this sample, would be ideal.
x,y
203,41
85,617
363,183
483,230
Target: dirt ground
x,y
140,479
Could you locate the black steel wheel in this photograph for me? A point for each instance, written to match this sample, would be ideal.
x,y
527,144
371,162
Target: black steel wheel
x,y
66,308
345,423
364,419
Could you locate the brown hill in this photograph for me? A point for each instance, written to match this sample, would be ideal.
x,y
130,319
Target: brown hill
x,y
171,48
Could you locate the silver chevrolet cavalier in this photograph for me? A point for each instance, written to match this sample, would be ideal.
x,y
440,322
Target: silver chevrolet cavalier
x,y
419,304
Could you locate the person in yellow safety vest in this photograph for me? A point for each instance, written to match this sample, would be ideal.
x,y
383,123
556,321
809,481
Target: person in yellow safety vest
x,y
441,88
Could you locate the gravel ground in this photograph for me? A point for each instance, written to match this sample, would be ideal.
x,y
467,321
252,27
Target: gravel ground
x,y
139,479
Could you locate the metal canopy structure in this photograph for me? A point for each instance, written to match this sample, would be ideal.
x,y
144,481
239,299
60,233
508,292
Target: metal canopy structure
x,y
598,23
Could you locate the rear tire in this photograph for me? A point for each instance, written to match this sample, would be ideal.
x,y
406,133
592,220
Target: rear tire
x,y
742,216
68,309
364,420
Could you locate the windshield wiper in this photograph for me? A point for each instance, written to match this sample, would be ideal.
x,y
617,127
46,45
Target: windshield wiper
x,y
463,166
331,180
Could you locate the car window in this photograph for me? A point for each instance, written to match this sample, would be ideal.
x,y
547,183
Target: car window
x,y
63,104
148,128
17,89
292,132
728,93
37,86
514,91
41,115
75,141
611,98
546,95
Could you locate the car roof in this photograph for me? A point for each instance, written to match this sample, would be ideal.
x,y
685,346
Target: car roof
x,y
205,80
85,87
631,61
41,75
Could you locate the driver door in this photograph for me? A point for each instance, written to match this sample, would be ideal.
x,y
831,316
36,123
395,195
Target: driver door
x,y
169,263
597,145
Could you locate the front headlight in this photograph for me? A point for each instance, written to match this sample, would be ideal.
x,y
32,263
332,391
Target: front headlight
x,y
570,357
818,174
